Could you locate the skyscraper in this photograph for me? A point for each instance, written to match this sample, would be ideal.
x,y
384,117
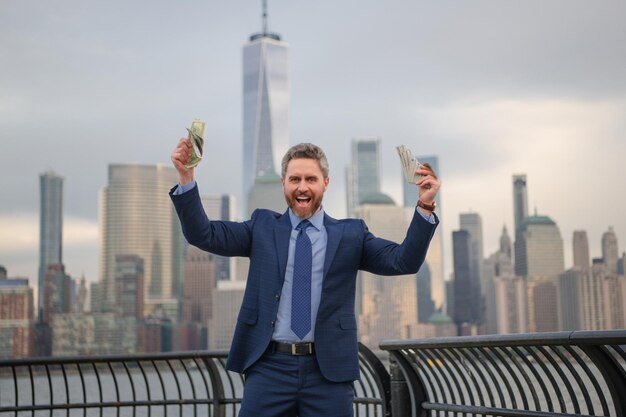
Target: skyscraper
x,y
266,192
466,290
614,297
580,247
200,283
592,297
543,313
16,315
129,286
511,304
610,251
520,200
58,288
571,298
266,97
50,228
221,207
434,257
520,212
498,285
137,218
363,174
540,248
473,224
540,260
425,303
505,243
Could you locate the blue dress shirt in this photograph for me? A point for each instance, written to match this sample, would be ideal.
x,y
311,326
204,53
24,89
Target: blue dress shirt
x,y
319,237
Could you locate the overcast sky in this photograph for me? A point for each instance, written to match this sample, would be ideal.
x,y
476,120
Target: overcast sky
x,y
492,88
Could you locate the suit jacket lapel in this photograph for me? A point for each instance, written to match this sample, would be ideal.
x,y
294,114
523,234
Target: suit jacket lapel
x,y
334,230
282,233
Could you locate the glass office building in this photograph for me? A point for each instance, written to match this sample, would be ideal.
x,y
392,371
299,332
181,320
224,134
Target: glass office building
x,y
363,175
266,99
138,218
50,228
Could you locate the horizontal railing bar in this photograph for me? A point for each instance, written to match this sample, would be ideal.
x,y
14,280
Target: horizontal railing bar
x,y
599,337
613,337
57,360
493,411
117,404
369,401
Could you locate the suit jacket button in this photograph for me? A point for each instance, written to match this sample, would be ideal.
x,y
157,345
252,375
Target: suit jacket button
x,y
272,323
277,297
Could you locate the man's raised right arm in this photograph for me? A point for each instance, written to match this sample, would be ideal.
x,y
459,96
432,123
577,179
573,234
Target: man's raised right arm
x,y
220,237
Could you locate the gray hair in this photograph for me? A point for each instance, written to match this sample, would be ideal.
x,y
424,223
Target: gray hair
x,y
306,151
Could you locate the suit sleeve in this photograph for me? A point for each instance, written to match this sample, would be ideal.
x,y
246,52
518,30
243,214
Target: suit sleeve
x,y
223,238
384,257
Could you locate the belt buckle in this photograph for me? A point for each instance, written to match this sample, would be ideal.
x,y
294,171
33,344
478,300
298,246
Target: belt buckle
x,y
301,349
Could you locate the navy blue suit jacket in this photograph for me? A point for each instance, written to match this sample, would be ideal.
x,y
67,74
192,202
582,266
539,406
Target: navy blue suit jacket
x,y
265,240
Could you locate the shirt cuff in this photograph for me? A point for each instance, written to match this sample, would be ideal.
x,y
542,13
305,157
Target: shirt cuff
x,y
430,218
182,189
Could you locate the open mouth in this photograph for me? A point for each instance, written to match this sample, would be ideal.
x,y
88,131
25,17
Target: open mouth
x,y
303,201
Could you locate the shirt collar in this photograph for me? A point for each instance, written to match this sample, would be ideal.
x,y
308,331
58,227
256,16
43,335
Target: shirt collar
x,y
317,220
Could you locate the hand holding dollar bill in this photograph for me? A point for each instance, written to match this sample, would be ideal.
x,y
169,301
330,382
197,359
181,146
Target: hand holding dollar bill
x,y
409,164
196,136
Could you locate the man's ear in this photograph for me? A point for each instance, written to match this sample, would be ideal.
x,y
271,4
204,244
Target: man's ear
x,y
326,180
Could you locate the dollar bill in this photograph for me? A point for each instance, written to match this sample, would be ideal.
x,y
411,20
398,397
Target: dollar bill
x,y
409,164
196,136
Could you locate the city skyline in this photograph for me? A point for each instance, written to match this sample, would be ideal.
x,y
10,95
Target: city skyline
x,y
544,98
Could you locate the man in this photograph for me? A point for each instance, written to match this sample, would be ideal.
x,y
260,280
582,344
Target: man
x,y
296,334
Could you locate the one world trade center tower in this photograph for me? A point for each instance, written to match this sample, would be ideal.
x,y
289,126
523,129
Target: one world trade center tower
x,y
266,97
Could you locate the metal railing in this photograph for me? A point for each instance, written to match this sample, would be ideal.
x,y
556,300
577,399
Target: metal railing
x,y
150,385
580,373
563,374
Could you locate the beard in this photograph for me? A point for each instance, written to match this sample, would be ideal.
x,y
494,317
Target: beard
x,y
304,209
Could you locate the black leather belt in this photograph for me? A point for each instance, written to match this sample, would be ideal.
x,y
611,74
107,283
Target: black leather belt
x,y
301,348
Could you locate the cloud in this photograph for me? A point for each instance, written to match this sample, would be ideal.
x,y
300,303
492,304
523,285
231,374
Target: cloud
x,y
520,133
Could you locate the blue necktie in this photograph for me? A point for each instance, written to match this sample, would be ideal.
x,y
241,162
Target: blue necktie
x,y
301,291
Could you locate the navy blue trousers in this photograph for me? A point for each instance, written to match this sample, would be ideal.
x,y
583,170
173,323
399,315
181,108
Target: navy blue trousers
x,y
282,385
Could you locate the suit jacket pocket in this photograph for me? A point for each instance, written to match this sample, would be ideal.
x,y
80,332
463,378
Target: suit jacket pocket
x,y
248,315
347,322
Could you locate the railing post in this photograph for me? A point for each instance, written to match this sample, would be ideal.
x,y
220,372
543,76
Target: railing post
x,y
219,408
613,374
400,398
369,363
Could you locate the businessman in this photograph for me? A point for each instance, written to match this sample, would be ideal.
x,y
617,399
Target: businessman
x,y
296,334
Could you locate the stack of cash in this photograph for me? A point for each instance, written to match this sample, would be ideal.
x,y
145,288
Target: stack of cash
x,y
196,136
409,164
